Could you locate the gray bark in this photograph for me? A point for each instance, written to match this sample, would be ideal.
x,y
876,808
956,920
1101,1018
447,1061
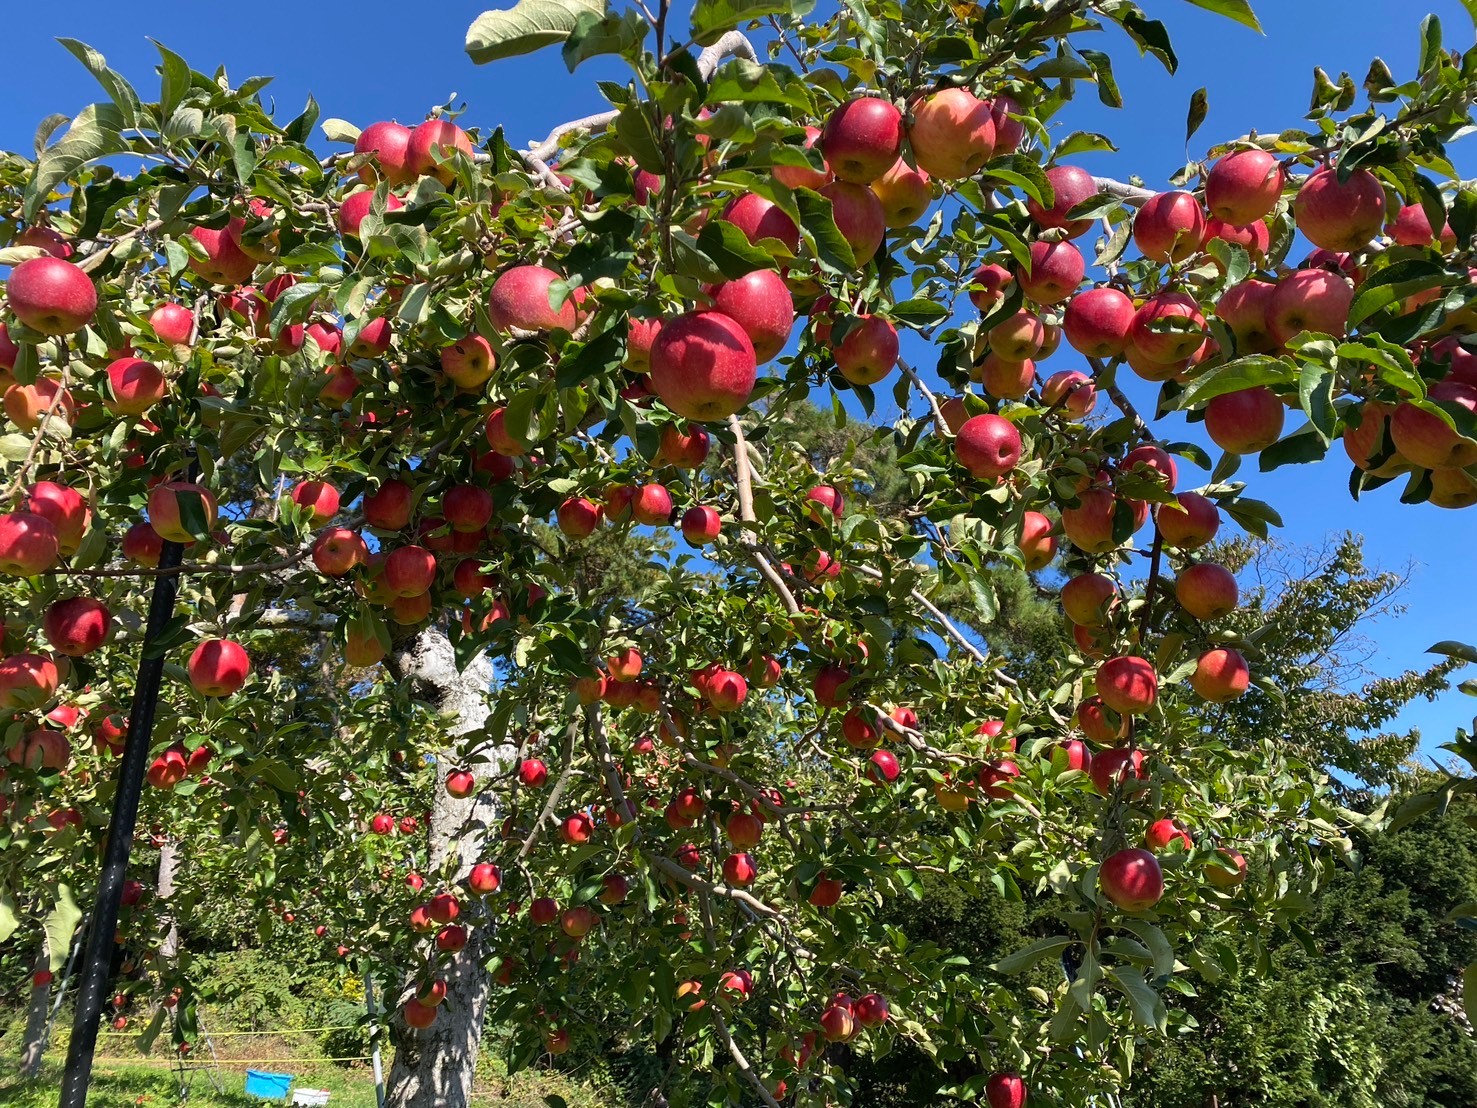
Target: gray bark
x,y
33,1046
168,867
434,1068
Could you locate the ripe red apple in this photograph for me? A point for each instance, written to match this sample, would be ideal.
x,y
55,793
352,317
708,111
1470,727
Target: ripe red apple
x,y
44,399
988,446
28,544
1128,685
1074,755
1163,832
1004,379
468,363
451,938
683,448
995,778
1191,527
389,507
869,350
576,829
1088,598
859,217
1070,390
1245,421
613,889
1309,300
225,262
760,218
827,686
1169,227
1245,308
1005,1090
1056,269
467,508
318,499
953,134
389,143
701,524
1096,322
860,729
826,892
652,505
1090,524
1037,543
862,139
77,626
760,303
1167,328
1010,127
577,922
993,283
1131,879
51,295
703,365
871,1010
1071,185
1340,216
1098,723
356,206
433,142
905,193
579,517
739,870
1153,463
218,667
1018,337
882,767
135,386
726,690
1412,227
460,783
1243,186
27,681
1425,440
164,509
625,665
520,299
1221,675
543,911
1254,237
409,571
824,503
533,773
1206,591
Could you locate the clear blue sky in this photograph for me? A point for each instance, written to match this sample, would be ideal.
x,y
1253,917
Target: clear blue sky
x,y
376,60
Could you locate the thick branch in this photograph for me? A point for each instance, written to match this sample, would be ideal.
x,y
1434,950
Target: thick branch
x,y
746,514
1129,194
943,621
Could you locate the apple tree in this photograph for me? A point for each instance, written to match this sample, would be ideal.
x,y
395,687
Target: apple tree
x,y
344,492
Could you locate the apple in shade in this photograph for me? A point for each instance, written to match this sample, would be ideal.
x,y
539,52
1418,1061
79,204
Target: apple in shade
x,y
1255,238
577,922
317,499
871,1010
1009,126
1163,832
1005,379
988,446
617,502
44,399
1096,723
1017,337
165,509
77,626
1221,675
467,508
1038,545
625,665
827,686
1005,1090
43,750
1088,598
882,767
1153,463
739,870
869,350
1056,269
519,300
1309,300
578,517
613,889
1245,309
1412,227
989,286
802,176
172,323
1425,440
1070,391
451,938
1131,879
683,448
823,502
1245,421
141,545
1167,327
701,525
640,334
28,544
760,218
1071,185
1191,527
862,139
859,217
1227,869
51,295
1128,685
1169,227
838,1022
468,362
434,141
1074,755
703,365
1089,524
1206,591
952,134
1243,186
1096,322
905,193
218,667
1340,216
389,507
760,303
356,206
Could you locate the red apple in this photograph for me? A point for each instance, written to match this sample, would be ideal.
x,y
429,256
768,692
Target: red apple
x,y
1228,869
225,262
683,449
43,399
760,218
1071,185
701,525
1163,832
1088,598
27,681
1309,300
1005,379
1169,227
1131,879
1094,717
389,143
77,626
1097,321
1221,675
1190,527
862,139
1128,685
1070,391
1167,328
994,283
318,499
433,142
28,544
460,784
1056,269
1245,421
1340,216
218,667
1243,186
520,300
1017,338
1206,591
1412,227
760,303
1038,545
164,510
1425,440
739,870
1245,308
988,446
859,217
51,295
1005,1090
796,176
952,134
356,206
869,350
389,507
905,193
703,365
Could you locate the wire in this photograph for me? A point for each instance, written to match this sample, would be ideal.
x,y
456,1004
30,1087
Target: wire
x,y
235,1034
160,1063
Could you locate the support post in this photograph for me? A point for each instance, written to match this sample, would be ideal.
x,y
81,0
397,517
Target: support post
x,y
374,1037
93,987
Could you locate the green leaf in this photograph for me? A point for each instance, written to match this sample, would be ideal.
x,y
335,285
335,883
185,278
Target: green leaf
x,y
1028,956
1107,84
1454,649
742,81
1147,1005
1243,373
711,18
1393,362
1306,444
1156,941
633,128
61,925
1087,142
1431,52
1315,392
730,249
1150,36
1199,107
339,130
95,133
174,80
819,223
1239,10
1025,174
8,919
525,27
596,33
919,312
118,89
1394,283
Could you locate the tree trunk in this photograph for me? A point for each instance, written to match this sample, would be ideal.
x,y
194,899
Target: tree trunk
x,y
168,867
33,1046
434,1068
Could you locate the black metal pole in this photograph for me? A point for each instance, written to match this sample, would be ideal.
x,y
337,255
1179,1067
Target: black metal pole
x,y
93,987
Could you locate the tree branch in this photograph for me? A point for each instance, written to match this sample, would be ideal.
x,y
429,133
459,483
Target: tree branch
x,y
746,514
